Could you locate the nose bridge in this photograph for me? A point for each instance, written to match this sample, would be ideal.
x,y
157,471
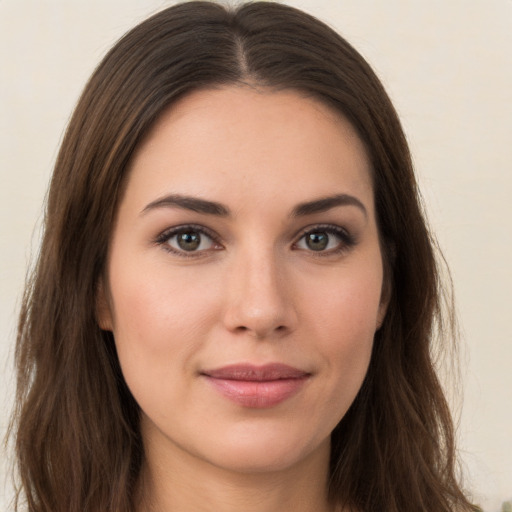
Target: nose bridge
x,y
259,298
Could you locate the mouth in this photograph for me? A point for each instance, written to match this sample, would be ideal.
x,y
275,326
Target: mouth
x,y
257,387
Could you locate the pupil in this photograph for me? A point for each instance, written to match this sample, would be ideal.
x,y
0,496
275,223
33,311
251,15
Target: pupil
x,y
317,241
189,241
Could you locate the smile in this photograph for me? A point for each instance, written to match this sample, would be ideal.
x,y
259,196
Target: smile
x,y
257,387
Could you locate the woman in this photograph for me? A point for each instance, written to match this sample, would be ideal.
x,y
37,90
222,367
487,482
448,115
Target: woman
x,y
236,293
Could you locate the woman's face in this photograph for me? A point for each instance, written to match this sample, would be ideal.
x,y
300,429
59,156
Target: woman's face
x,y
244,278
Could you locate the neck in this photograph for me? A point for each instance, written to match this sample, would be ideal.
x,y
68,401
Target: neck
x,y
173,480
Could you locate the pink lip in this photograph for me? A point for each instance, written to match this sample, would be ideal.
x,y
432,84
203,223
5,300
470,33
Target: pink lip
x,y
257,386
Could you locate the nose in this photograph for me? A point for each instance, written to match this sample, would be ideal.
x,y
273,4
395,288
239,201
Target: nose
x,y
260,300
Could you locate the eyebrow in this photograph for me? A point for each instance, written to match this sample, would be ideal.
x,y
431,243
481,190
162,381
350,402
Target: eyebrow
x,y
326,203
213,208
188,203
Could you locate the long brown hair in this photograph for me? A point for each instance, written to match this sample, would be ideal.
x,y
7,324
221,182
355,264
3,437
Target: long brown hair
x,y
76,425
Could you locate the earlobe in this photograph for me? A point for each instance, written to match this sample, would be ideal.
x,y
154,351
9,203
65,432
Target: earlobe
x,y
103,312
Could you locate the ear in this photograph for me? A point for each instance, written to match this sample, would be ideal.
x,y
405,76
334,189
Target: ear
x,y
383,308
385,298
103,309
388,260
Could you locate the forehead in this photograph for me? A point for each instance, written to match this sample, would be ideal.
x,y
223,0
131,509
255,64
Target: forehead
x,y
250,142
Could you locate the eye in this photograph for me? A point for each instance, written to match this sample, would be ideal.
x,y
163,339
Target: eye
x,y
187,240
326,239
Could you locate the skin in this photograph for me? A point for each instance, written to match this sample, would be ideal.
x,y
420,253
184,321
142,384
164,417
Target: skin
x,y
254,291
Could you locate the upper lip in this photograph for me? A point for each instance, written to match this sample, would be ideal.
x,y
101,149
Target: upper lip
x,y
250,372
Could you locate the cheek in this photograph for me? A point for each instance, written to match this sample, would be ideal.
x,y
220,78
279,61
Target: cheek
x,y
156,308
345,318
160,323
348,339
348,302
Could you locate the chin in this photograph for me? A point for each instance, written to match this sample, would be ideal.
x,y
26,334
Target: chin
x,y
255,452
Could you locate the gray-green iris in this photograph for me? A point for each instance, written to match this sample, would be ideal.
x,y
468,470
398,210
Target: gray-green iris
x,y
317,241
188,241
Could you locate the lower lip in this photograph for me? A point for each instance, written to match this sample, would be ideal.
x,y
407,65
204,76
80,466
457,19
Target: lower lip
x,y
258,394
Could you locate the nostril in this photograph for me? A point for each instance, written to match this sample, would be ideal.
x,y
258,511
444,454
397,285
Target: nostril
x,y
261,332
259,316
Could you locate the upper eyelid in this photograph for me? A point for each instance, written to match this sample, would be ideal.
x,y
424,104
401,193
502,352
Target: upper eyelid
x,y
333,228
167,233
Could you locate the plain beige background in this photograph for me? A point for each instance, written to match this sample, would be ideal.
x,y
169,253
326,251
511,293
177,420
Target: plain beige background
x,y
447,65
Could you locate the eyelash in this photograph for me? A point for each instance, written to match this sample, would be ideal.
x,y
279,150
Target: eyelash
x,y
347,240
164,237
